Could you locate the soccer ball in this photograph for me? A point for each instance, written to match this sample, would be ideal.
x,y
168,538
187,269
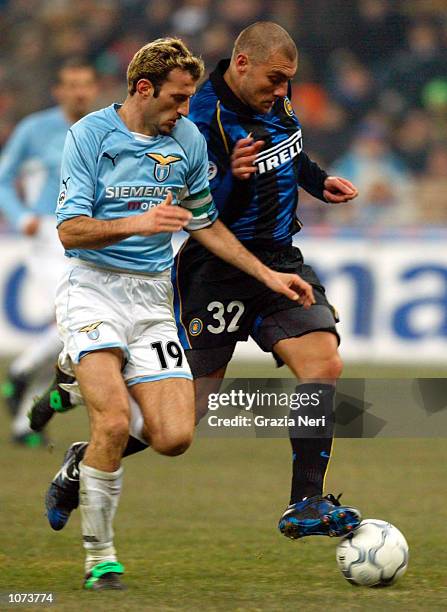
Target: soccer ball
x,y
375,554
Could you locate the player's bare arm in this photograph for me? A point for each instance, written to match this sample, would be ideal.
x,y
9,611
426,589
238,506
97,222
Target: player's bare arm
x,y
89,233
220,241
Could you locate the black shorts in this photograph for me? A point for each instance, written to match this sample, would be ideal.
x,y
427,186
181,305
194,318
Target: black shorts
x,y
216,306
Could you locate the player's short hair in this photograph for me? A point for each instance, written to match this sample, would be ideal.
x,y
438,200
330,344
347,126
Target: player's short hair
x,y
76,63
263,38
155,61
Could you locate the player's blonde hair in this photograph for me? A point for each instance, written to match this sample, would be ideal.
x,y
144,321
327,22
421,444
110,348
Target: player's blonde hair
x,y
155,61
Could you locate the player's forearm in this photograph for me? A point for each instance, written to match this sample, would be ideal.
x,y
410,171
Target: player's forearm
x,y
221,242
88,233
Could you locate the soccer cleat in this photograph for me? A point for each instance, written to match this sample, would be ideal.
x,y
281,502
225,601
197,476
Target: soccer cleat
x,y
63,493
55,399
13,390
31,439
105,576
318,516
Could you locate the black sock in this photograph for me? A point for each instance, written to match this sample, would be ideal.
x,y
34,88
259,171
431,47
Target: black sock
x,y
311,454
134,446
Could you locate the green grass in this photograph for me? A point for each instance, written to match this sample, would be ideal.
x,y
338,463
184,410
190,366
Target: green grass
x,y
198,531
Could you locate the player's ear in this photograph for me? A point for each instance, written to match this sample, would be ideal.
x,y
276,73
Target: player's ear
x,y
241,62
145,88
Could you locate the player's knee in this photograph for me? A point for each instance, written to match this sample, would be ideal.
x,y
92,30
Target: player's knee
x,y
172,445
327,367
333,367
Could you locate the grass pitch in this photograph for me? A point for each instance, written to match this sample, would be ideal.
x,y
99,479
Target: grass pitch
x,y
199,531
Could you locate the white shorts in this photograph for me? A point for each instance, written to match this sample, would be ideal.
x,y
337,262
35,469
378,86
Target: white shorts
x,y
99,309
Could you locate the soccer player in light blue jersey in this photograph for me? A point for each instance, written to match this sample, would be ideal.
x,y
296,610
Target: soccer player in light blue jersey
x,y
33,157
131,175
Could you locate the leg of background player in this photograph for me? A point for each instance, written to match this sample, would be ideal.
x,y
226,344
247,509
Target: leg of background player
x,y
313,358
22,371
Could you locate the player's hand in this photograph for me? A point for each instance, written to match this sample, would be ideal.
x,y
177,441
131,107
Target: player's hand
x,y
243,157
292,286
30,226
162,218
338,190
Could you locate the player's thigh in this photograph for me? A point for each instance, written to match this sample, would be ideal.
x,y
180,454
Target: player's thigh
x,y
305,339
167,407
104,391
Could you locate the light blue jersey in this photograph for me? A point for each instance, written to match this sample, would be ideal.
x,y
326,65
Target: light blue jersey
x,y
109,172
33,154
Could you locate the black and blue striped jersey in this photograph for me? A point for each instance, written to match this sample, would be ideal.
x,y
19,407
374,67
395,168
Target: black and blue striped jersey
x,y
261,211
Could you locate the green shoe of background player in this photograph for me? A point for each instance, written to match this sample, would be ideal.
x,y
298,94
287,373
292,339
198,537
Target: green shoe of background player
x,y
55,399
104,576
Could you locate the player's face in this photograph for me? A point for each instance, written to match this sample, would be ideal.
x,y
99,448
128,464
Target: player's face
x,y
262,83
76,91
172,101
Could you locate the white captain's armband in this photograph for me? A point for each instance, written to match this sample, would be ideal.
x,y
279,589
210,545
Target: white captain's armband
x,y
204,211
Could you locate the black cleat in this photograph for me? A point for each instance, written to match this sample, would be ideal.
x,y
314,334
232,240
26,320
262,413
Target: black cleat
x,y
63,493
55,399
319,516
13,390
105,576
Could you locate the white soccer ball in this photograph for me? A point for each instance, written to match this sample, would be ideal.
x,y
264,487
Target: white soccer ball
x,y
375,554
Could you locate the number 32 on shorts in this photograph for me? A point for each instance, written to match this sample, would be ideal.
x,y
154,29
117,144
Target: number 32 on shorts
x,y
235,308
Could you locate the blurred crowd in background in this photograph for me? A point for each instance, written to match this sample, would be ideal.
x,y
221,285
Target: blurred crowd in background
x,y
370,92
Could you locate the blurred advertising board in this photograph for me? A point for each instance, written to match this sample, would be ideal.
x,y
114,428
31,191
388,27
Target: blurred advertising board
x,y
390,293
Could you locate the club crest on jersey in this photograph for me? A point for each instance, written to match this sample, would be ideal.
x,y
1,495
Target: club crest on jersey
x,y
212,170
195,327
163,165
92,330
61,199
288,107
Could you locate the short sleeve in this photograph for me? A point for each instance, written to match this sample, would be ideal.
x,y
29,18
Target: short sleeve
x,y
78,177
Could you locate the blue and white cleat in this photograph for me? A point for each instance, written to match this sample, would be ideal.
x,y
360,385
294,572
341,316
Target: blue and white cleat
x,y
319,516
63,493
